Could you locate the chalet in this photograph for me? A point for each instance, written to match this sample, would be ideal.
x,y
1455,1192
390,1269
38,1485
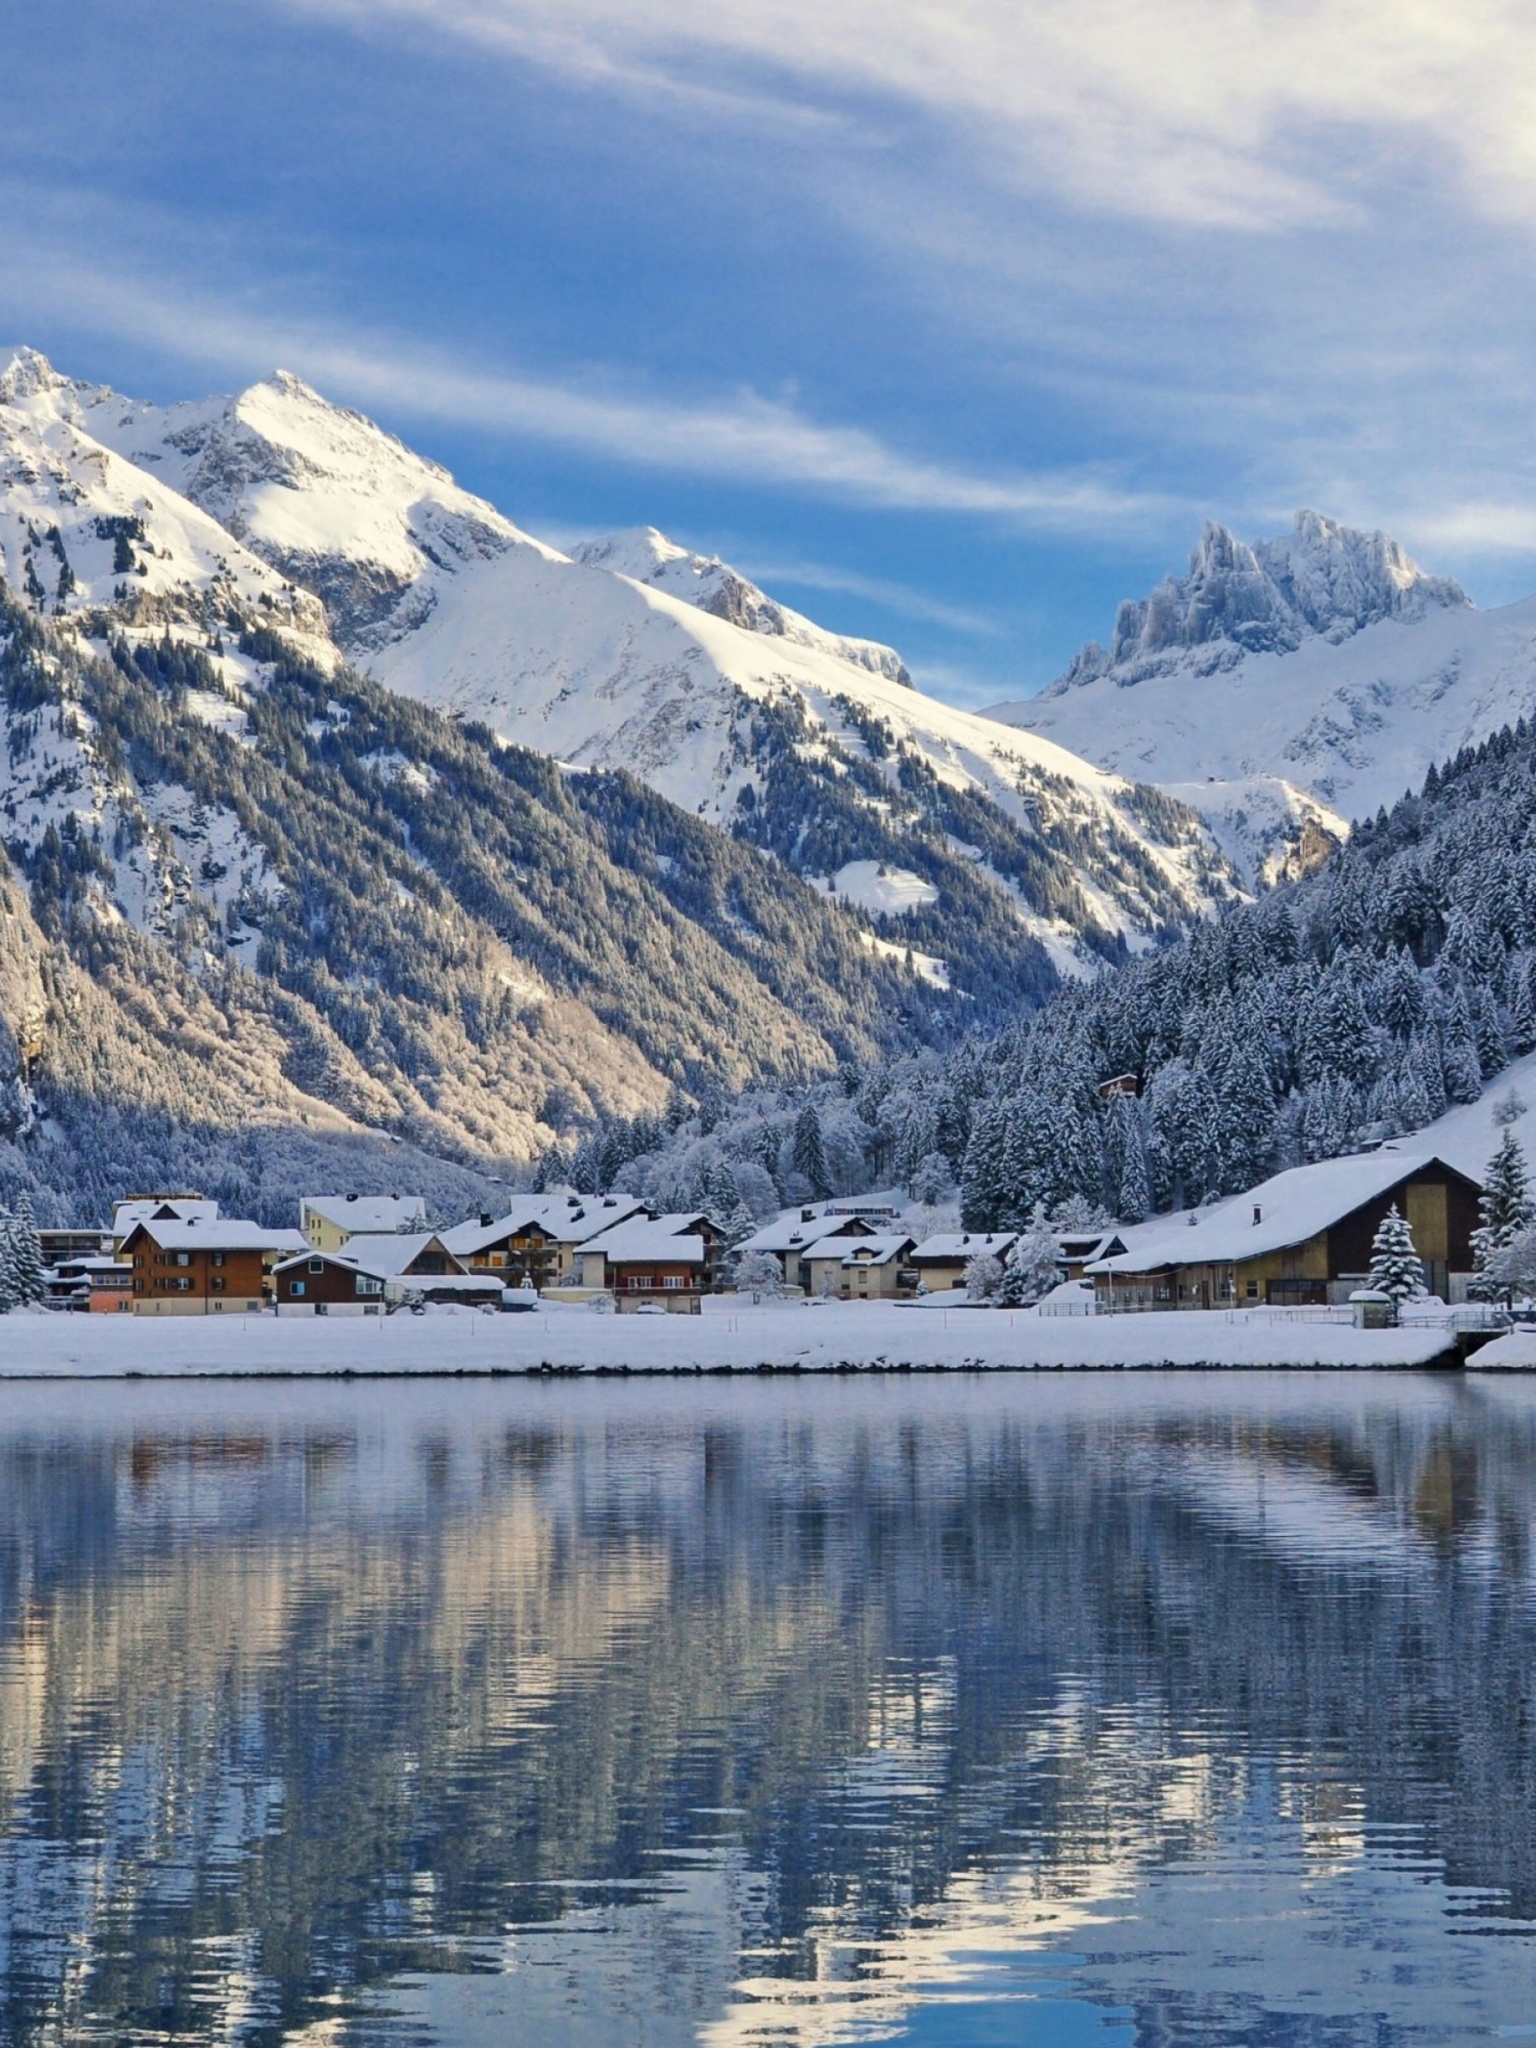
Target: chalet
x,y
329,1221
203,1266
418,1263
576,1219
673,1261
520,1246
331,1283
791,1235
875,1268
1303,1237
1077,1250
134,1209
940,1262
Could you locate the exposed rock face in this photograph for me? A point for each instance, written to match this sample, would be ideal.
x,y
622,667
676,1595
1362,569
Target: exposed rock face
x,y
1319,579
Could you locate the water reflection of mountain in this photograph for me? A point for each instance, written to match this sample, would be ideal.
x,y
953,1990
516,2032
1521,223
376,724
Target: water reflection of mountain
x,y
303,1692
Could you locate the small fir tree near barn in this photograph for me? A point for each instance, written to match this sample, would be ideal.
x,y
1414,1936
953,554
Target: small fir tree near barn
x,y
1396,1268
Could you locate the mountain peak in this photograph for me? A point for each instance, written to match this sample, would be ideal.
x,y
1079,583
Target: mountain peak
x,y
1321,578
27,373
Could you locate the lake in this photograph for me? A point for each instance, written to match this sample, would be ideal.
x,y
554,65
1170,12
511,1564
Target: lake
x,y
1050,1711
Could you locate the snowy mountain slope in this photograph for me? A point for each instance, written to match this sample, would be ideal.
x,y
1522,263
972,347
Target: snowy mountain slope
x,y
735,708
646,556
1325,665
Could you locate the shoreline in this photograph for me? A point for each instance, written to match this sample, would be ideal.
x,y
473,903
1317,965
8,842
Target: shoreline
x,y
833,1340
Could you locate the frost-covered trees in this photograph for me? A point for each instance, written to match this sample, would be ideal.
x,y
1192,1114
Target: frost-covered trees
x,y
1396,1268
1506,1211
807,1156
983,1276
22,1278
1032,1267
758,1274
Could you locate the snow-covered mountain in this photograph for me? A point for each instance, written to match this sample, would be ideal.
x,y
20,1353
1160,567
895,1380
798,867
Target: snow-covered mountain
x,y
1305,680
646,556
633,655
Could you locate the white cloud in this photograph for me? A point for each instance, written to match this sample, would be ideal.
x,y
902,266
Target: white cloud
x,y
743,437
1190,110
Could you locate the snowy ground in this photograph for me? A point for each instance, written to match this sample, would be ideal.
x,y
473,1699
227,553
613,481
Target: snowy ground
x,y
820,1337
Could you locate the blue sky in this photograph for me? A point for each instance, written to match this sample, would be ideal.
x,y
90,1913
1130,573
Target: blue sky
x,y
950,323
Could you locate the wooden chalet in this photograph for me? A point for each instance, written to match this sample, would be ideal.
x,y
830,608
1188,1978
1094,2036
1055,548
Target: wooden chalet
x,y
522,1246
671,1261
205,1266
1301,1238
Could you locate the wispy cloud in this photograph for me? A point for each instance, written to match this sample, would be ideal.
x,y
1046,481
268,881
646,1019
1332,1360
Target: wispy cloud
x,y
1191,110
743,436
893,597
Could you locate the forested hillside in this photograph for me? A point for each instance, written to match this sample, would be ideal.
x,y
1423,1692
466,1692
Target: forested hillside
x,y
253,902
1347,1008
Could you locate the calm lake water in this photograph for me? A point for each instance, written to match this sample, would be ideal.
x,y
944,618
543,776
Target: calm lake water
x,y
1124,1709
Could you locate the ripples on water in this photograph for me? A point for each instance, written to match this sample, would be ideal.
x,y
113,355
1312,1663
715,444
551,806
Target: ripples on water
x,y
1156,1710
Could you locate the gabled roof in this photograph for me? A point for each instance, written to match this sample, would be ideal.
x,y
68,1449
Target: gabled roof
x,y
166,1208
219,1234
792,1233
342,1260
575,1218
391,1253
967,1244
369,1213
862,1251
1284,1211
465,1239
1089,1244
667,1239
677,1223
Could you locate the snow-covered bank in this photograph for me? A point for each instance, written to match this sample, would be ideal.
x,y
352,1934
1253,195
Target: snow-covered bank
x,y
826,1337
1515,1352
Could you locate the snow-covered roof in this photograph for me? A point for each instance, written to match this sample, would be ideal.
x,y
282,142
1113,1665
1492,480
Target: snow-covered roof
x,y
141,1207
1286,1210
368,1213
967,1244
1089,1244
576,1218
668,1239
344,1259
222,1234
862,1251
465,1239
389,1252
792,1233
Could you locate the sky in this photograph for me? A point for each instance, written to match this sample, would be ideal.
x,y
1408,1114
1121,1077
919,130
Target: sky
x,y
950,323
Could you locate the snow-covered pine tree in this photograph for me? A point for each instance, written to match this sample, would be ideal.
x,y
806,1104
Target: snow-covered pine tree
x,y
31,1285
1396,1268
10,1277
808,1155
1031,1269
1505,1210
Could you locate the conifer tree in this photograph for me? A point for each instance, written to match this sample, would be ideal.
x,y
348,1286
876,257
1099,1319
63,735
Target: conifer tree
x,y
1032,1267
31,1285
1506,1209
807,1153
10,1276
1396,1268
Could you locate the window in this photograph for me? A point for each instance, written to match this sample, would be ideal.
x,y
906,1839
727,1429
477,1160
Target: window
x,y
216,1284
672,1280
182,1259
1251,1291
216,1259
367,1285
317,1265
296,1289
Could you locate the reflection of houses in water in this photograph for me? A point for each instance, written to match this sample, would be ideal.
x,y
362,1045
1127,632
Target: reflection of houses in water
x,y
932,1676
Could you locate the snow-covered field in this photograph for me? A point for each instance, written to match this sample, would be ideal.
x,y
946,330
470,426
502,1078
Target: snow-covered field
x,y
824,1337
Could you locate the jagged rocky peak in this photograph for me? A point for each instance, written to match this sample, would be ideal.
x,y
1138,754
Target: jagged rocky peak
x,y
1321,578
26,374
710,585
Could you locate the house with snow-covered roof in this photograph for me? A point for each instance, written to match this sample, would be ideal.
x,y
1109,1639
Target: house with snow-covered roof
x,y
874,1268
940,1261
522,1245
1301,1238
789,1236
673,1261
328,1221
203,1265
135,1209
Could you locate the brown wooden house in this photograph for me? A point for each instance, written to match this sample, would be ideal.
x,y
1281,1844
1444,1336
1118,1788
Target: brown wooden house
x,y
208,1266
